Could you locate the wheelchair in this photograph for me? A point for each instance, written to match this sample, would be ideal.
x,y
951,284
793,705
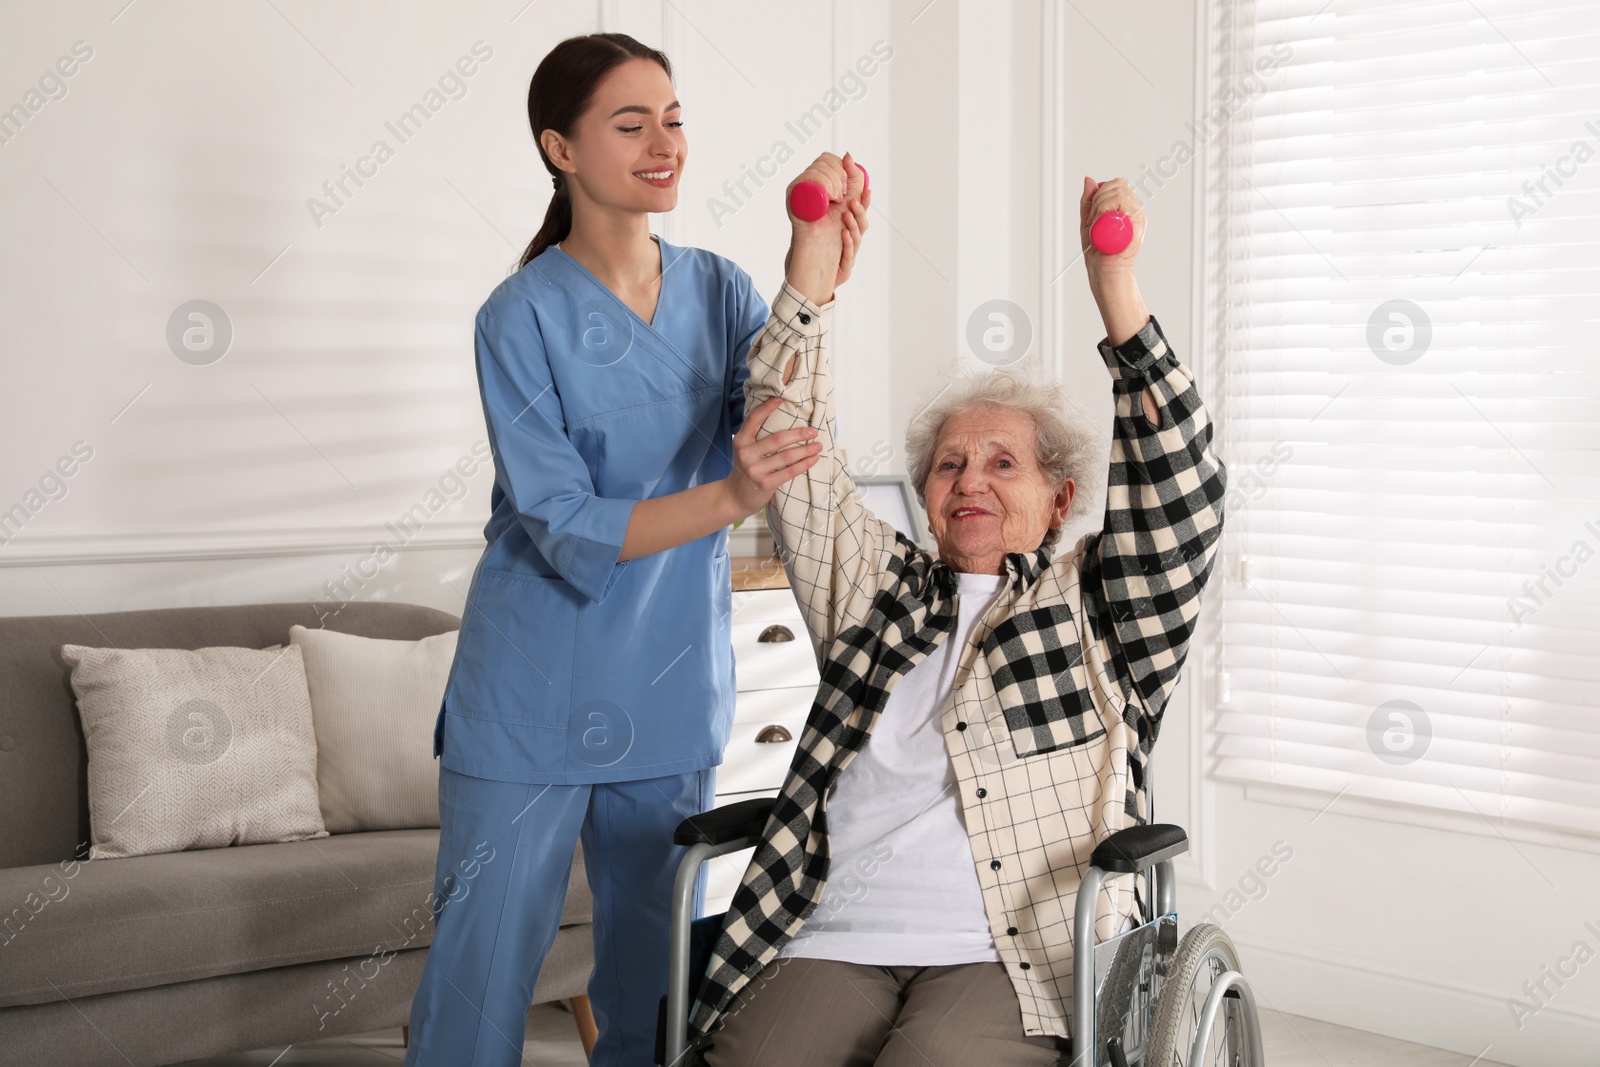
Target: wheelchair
x,y
1150,999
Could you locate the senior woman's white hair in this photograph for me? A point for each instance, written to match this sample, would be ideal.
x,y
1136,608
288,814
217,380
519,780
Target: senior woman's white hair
x,y
1064,446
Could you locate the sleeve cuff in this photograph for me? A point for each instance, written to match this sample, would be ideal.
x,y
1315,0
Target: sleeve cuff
x,y
799,315
1139,354
590,564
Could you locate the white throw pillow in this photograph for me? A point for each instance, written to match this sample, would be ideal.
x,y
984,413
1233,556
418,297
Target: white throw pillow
x,y
195,748
375,703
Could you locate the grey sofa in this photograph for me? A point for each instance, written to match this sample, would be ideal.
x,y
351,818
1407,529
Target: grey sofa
x,y
160,959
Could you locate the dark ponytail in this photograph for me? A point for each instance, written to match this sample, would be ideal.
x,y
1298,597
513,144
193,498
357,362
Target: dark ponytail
x,y
558,96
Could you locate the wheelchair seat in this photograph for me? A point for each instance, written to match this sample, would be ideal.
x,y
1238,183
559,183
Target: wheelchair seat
x,y
1167,1001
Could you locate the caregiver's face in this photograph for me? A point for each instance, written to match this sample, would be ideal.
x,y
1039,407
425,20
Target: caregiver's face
x,y
987,494
629,147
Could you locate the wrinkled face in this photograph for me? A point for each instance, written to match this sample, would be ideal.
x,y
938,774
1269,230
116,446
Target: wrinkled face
x,y
987,495
628,149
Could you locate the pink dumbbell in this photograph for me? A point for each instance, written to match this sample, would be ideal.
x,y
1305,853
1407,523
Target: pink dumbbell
x,y
1111,232
809,200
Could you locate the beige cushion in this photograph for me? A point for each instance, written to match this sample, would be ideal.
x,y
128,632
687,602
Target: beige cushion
x,y
195,749
375,703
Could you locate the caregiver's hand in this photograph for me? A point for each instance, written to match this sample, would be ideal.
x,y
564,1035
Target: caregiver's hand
x,y
759,467
1111,279
823,253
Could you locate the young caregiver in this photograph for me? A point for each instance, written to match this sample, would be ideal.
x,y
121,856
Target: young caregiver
x,y
593,685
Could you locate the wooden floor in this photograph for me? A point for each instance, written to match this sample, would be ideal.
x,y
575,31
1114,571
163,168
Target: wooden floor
x,y
552,1041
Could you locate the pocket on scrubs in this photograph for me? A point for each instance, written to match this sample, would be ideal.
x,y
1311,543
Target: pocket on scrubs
x,y
516,648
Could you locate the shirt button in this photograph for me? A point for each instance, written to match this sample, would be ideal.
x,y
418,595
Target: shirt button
x,y
961,726
982,792
1025,966
805,320
1011,931
994,864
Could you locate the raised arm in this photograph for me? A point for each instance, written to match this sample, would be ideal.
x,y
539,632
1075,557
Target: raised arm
x,y
1164,492
1163,516
833,548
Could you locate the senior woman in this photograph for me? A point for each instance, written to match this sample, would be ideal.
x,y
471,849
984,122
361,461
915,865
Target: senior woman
x,y
985,711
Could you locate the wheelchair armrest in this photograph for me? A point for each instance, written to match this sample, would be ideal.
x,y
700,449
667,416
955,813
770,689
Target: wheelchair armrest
x,y
728,823
1132,850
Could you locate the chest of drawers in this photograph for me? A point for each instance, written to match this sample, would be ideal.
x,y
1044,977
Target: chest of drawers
x,y
777,679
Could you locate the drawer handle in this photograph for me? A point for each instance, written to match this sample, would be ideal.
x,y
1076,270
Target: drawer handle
x,y
776,632
773,735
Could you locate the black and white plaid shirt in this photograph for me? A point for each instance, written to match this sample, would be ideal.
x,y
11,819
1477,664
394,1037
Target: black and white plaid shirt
x,y
1058,694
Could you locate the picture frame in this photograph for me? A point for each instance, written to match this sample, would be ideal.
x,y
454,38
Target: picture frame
x,y
892,498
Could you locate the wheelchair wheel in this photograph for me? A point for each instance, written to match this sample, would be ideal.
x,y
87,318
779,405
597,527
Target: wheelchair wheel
x,y
1123,1008
1204,956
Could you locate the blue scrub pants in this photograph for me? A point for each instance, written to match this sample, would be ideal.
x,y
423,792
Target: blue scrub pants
x,y
505,855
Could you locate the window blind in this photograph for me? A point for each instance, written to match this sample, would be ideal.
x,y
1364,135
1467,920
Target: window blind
x,y
1405,286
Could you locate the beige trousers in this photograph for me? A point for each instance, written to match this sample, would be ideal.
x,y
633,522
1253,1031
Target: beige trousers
x,y
821,1013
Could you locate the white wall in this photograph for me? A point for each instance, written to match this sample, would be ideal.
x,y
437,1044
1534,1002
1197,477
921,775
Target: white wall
x,y
178,166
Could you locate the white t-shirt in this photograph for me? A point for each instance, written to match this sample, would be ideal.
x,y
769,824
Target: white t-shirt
x,y
902,891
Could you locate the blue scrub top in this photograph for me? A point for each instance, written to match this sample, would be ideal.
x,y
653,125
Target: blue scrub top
x,y
571,666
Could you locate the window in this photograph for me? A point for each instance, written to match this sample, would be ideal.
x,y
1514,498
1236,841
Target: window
x,y
1404,294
